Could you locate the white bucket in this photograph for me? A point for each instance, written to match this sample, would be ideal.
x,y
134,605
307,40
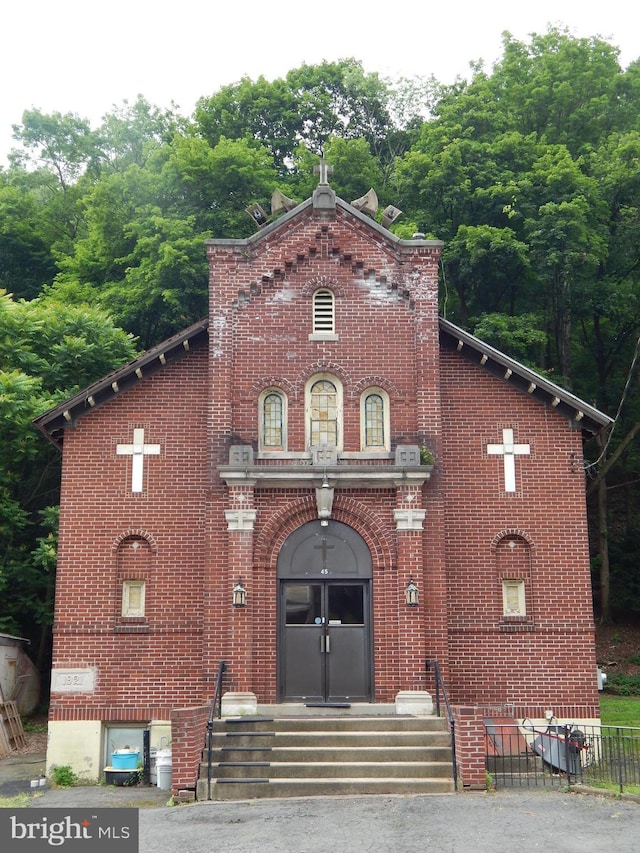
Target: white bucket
x,y
163,756
163,768
164,776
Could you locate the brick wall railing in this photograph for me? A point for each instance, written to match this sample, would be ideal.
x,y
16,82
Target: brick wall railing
x,y
470,746
188,732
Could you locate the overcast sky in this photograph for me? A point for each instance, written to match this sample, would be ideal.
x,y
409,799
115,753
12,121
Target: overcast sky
x,y
84,57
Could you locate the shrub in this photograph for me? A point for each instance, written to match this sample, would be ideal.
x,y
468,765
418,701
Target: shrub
x,y
623,685
63,776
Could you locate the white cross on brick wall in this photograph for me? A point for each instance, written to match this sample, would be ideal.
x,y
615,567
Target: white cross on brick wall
x,y
138,450
509,450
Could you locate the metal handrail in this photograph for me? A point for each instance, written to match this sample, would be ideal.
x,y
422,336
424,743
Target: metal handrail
x,y
216,705
440,685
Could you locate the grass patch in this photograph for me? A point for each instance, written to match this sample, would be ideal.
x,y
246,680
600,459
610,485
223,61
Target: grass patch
x,y
36,728
20,801
611,786
620,710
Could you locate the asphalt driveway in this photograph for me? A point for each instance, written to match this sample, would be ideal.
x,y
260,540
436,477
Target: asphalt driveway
x,y
499,822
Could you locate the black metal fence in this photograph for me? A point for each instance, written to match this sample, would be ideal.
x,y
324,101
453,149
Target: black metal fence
x,y
530,755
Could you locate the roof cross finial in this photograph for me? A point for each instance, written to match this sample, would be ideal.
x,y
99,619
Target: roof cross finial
x,y
324,170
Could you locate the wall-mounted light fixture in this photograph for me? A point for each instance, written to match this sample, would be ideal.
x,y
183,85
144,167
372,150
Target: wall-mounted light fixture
x,y
239,594
324,500
411,593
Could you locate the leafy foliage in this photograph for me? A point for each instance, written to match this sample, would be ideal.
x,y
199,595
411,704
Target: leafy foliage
x,y
63,776
518,336
623,685
309,106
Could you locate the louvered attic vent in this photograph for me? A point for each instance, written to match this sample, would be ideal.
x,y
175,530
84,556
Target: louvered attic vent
x,y
323,312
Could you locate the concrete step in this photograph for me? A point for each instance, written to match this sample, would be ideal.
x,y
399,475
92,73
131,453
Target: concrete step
x,y
347,753
331,723
328,755
329,738
262,788
301,709
329,769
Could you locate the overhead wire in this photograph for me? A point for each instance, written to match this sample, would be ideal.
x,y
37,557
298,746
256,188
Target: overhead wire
x,y
589,466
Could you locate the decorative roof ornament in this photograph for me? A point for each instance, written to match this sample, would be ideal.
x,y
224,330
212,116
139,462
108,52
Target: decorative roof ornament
x,y
324,198
323,169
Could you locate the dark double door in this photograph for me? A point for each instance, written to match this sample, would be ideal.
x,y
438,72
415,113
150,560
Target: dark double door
x,y
324,641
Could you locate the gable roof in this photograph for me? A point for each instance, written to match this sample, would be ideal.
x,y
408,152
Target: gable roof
x,y
324,200
527,381
53,422
581,415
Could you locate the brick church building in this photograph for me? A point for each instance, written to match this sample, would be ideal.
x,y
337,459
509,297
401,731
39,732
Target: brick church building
x,y
325,485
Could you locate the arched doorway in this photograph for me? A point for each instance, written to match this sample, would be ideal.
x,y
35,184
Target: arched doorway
x,y
324,615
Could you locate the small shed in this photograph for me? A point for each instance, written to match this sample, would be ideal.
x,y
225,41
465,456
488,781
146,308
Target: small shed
x,y
19,678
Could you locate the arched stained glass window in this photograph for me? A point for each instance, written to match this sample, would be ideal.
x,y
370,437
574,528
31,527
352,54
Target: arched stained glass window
x,y
273,420
374,421
324,414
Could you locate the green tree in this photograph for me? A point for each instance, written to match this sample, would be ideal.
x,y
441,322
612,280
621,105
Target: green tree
x,y
545,150
62,144
606,349
519,336
312,104
27,259
486,266
564,228
58,148
216,185
263,111
143,255
131,133
562,89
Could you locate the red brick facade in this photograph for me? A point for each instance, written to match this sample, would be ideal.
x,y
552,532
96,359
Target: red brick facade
x,y
175,535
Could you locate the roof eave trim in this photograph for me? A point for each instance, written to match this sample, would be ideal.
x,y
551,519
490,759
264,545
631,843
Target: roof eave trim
x,y
584,413
53,422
